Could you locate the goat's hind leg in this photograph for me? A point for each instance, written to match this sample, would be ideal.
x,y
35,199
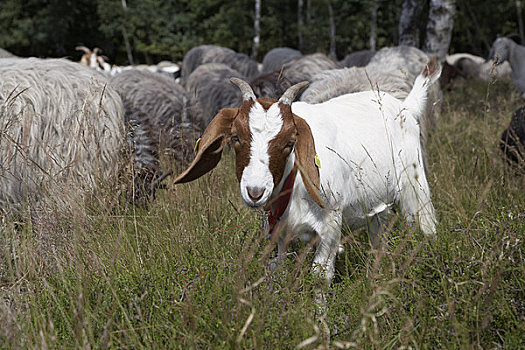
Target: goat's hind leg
x,y
416,203
327,248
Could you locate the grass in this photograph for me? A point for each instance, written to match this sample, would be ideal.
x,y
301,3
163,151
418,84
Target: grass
x,y
192,271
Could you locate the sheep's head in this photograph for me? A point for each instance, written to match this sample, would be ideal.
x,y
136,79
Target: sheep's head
x,y
264,133
500,51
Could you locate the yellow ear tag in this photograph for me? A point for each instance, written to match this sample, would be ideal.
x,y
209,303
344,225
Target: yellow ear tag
x,y
196,145
317,161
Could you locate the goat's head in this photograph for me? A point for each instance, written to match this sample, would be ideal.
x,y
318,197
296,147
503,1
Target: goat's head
x,y
264,133
93,58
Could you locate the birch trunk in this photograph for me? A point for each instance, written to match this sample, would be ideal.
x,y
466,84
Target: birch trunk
x,y
373,25
408,22
439,27
520,22
300,24
125,35
256,29
332,30
308,11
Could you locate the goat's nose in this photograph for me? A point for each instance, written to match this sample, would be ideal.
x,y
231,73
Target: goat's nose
x,y
255,193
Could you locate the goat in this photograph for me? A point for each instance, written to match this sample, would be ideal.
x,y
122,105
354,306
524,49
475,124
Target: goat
x,y
275,83
357,58
358,155
156,114
505,49
512,141
277,57
60,127
93,59
215,54
209,91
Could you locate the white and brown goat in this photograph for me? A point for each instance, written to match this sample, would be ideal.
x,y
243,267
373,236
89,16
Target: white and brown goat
x,y
93,59
368,145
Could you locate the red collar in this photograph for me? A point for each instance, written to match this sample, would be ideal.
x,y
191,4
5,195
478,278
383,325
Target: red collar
x,y
281,201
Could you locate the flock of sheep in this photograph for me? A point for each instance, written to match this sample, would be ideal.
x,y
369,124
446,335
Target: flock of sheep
x,y
64,124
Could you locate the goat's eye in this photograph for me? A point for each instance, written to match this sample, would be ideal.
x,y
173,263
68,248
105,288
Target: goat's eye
x,y
235,139
290,144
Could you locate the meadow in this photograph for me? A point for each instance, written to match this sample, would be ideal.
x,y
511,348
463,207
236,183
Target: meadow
x,y
193,269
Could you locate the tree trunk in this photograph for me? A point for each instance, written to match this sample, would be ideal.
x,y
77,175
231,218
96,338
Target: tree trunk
x,y
300,24
256,29
408,22
308,11
332,30
439,28
520,22
373,25
125,35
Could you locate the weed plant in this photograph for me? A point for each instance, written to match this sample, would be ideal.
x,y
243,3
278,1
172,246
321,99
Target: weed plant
x,y
192,269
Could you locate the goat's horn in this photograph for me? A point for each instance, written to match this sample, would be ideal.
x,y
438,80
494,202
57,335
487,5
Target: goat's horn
x,y
289,95
96,50
246,89
83,48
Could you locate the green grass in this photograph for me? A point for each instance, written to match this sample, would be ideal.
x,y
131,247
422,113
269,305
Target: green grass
x,y
192,271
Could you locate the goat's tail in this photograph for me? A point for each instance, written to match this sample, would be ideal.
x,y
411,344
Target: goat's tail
x,y
417,98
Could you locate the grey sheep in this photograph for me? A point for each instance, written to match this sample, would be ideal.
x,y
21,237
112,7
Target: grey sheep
x,y
391,70
157,116
210,90
6,54
216,54
274,84
505,49
277,57
60,129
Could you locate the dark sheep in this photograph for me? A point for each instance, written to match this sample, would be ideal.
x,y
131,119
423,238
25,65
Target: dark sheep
x,y
274,84
210,90
512,141
276,58
215,54
156,113
358,58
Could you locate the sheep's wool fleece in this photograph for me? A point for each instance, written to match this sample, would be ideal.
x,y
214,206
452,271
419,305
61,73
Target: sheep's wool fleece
x,y
61,127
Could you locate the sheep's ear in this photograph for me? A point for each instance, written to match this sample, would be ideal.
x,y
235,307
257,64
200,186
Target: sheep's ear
x,y
305,159
210,145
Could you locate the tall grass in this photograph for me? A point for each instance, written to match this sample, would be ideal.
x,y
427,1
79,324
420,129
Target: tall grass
x,y
192,270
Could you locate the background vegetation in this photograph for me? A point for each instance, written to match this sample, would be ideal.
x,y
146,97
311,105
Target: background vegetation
x,y
192,271
167,29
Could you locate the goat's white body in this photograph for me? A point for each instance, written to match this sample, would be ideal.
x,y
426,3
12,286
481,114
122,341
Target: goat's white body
x,y
370,154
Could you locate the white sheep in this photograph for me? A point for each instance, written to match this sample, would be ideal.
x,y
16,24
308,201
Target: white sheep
x,y
61,127
358,155
475,67
504,49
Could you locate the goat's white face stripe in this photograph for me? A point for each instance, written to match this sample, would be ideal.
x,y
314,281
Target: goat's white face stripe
x,y
93,61
264,126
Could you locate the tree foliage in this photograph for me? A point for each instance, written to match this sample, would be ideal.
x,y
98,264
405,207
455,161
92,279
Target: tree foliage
x,y
167,29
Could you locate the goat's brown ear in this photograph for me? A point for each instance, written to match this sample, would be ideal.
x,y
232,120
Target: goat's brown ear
x,y
305,158
210,145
